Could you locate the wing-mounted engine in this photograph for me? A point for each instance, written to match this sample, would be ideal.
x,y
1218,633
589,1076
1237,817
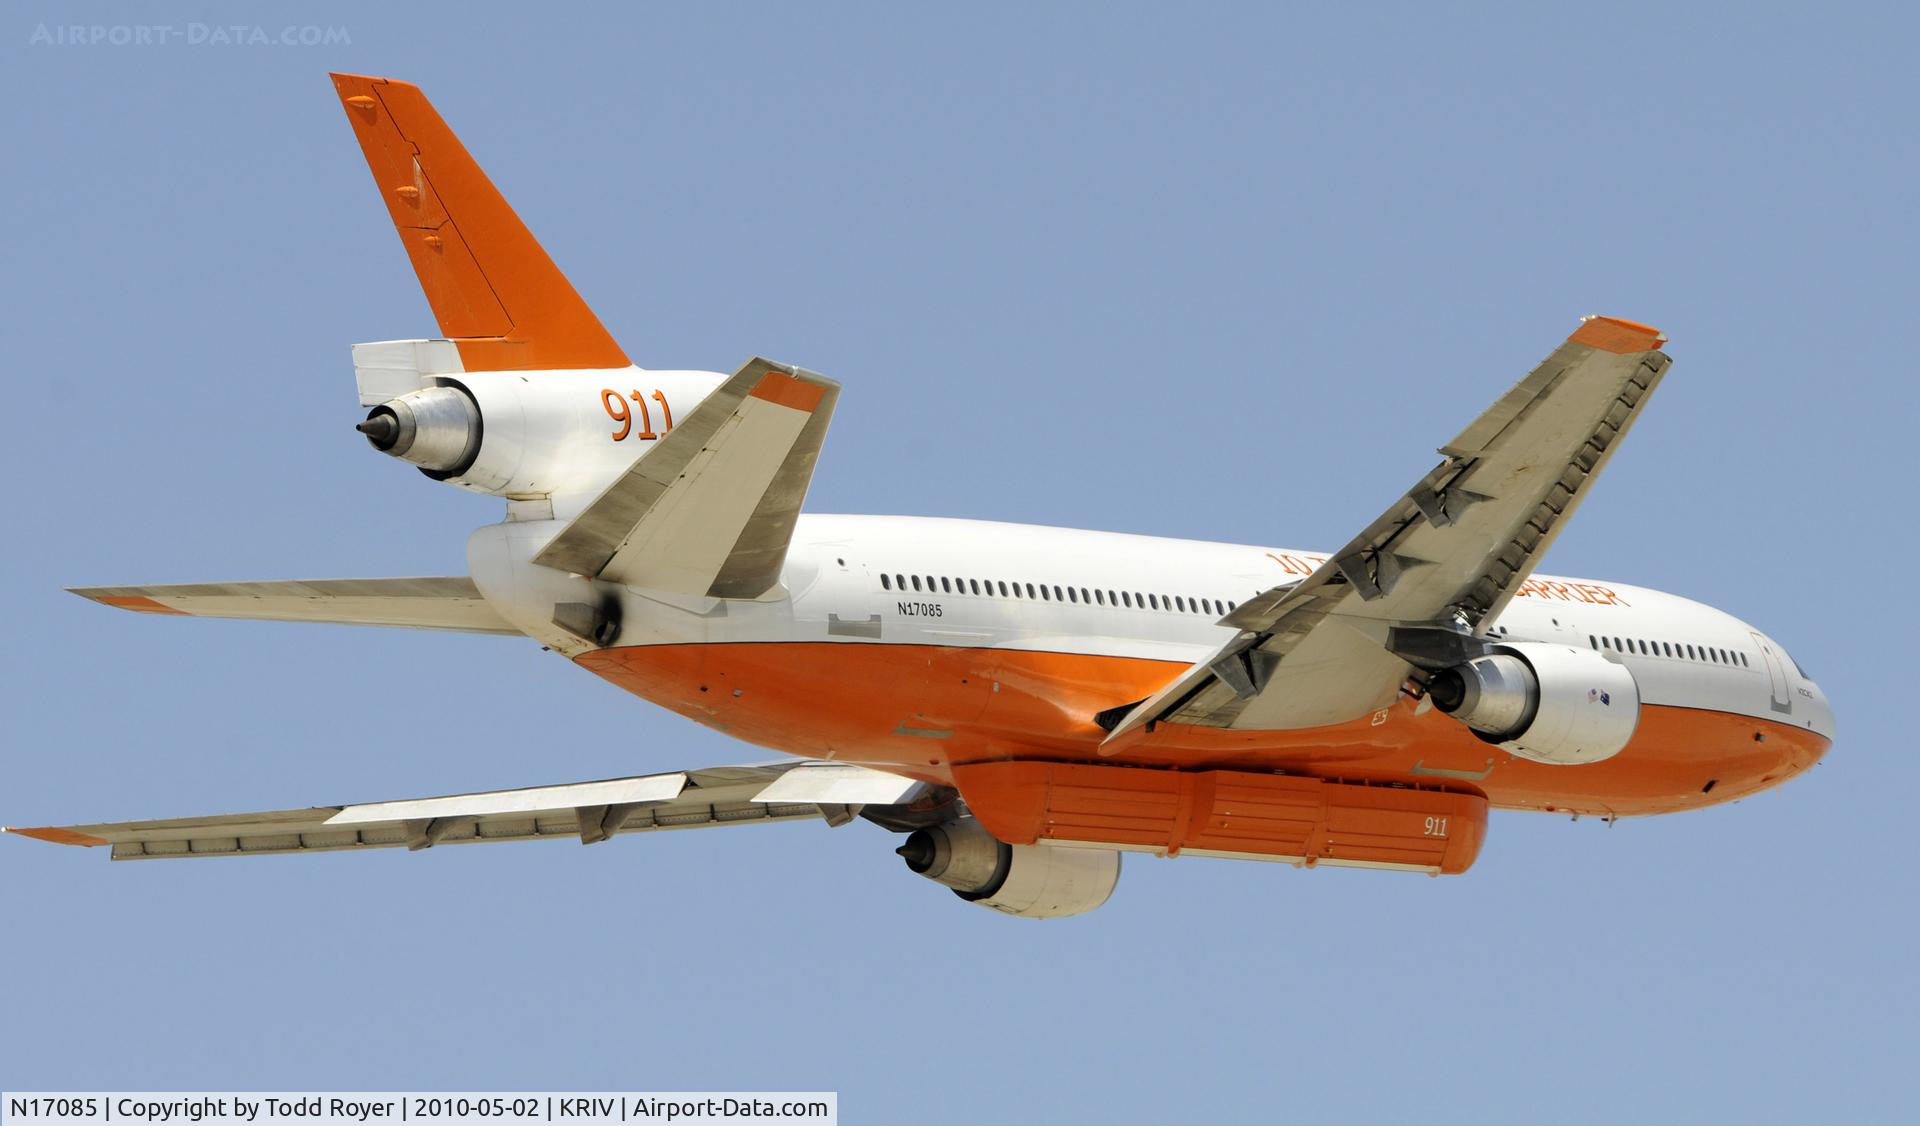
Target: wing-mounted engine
x,y
1030,881
1549,703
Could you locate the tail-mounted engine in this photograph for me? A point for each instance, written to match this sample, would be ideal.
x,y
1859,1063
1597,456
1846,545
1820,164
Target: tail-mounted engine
x,y
435,428
1549,703
518,434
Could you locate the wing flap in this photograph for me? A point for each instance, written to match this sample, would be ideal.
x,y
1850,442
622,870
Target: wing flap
x,y
839,783
585,811
439,603
538,799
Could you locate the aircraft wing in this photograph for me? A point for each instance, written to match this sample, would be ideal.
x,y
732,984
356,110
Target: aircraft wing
x,y
711,509
1448,554
589,812
449,603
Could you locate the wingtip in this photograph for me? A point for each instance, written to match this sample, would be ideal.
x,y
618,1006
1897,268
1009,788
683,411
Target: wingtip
x,y
790,390
1616,334
55,835
138,603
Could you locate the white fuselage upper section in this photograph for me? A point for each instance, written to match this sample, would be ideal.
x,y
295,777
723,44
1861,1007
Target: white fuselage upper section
x,y
962,583
554,440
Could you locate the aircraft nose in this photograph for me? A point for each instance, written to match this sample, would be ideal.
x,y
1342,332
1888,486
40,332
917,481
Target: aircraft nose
x,y
1819,710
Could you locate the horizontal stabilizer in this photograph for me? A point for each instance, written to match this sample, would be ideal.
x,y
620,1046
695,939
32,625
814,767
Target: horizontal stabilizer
x,y
711,509
587,811
451,603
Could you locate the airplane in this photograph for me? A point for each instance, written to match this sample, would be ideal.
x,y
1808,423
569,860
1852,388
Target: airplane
x,y
1019,705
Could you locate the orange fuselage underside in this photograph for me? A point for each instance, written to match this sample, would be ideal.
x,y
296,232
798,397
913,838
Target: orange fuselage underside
x,y
923,709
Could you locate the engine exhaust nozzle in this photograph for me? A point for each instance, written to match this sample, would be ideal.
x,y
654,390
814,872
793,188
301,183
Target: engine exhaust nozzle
x,y
380,429
435,428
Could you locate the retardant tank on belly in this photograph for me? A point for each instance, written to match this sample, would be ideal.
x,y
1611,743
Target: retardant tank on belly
x,y
1227,813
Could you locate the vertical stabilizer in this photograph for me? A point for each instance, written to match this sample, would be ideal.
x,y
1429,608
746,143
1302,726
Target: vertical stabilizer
x,y
495,292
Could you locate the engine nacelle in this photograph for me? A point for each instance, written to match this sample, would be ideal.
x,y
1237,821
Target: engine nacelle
x,y
435,428
534,434
1549,703
1031,881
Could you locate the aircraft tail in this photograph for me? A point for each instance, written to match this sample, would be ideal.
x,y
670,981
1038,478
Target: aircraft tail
x,y
495,292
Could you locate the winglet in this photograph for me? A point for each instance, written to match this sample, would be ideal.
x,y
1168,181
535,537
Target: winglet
x,y
57,836
1611,334
495,292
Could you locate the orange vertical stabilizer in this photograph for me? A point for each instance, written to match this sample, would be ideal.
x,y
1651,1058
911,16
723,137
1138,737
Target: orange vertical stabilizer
x,y
493,289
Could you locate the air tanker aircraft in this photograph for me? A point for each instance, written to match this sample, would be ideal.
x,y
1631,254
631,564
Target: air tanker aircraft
x,y
1021,704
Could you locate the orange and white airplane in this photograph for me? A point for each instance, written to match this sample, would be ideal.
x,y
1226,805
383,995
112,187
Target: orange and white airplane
x,y
1023,703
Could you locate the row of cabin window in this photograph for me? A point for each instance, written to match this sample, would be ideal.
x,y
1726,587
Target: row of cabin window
x,y
1131,600
1669,649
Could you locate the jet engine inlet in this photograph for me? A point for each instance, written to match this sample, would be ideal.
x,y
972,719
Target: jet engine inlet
x,y
959,854
1550,703
1495,695
1031,881
435,428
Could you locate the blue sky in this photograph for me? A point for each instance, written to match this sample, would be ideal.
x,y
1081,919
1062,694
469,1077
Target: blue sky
x,y
1226,273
